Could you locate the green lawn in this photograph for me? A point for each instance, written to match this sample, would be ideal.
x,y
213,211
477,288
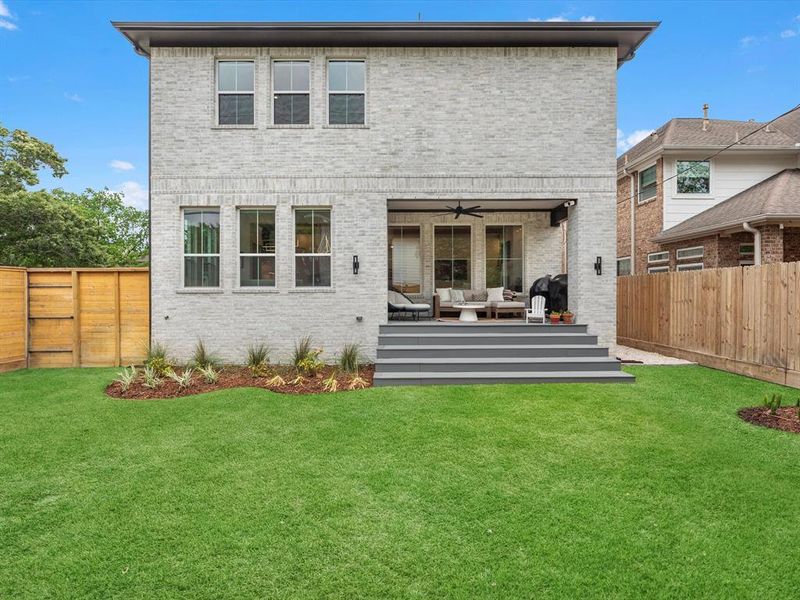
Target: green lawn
x,y
654,489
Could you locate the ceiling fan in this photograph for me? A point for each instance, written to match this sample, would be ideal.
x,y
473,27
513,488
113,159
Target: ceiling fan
x,y
470,211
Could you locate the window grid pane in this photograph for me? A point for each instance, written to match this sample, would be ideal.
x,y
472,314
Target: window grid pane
x,y
201,248
312,248
504,256
452,259
405,269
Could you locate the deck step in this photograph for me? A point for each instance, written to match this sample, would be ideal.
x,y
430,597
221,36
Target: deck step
x,y
488,350
484,338
494,327
506,364
492,377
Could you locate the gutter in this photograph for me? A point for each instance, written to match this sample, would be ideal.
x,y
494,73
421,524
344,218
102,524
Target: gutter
x,y
756,242
712,229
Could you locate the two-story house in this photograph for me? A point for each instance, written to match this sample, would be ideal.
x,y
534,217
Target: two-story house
x,y
680,209
295,167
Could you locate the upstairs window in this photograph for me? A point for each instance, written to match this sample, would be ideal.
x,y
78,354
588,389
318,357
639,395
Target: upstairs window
x,y
647,184
694,177
692,252
657,257
290,92
235,92
201,247
346,92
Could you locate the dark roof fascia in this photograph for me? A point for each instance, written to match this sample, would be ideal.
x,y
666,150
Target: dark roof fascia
x,y
627,37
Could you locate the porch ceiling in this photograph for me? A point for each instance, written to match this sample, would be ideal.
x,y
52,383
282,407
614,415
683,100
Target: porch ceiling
x,y
509,205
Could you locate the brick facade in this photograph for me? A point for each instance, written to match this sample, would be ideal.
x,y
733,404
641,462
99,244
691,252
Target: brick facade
x,y
428,135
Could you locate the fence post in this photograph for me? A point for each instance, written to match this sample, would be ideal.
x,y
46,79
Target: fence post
x,y
76,319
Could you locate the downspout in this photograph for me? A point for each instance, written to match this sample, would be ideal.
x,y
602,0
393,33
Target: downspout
x,y
631,179
756,242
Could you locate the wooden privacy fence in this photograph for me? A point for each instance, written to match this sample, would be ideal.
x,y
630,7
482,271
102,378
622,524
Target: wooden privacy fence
x,y
742,319
73,317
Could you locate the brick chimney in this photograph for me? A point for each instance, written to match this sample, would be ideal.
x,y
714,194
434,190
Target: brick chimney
x,y
705,117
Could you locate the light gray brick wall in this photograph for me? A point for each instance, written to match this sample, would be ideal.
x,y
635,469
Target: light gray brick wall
x,y
442,123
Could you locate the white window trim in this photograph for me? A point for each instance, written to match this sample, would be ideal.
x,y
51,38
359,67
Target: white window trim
x,y
310,288
471,253
485,259
710,192
328,92
690,266
217,92
185,255
421,255
639,184
662,269
630,266
239,285
688,249
747,262
652,261
273,92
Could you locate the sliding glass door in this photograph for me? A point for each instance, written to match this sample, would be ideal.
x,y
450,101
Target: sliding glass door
x,y
452,256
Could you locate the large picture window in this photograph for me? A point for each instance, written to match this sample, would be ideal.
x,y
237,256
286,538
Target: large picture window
x,y
290,92
694,177
346,92
257,248
452,258
647,184
236,92
405,267
312,247
504,257
201,247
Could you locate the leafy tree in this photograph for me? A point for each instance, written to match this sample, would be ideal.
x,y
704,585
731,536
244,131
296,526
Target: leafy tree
x,y
22,156
40,230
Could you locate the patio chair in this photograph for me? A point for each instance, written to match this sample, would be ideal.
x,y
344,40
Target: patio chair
x,y
536,311
400,303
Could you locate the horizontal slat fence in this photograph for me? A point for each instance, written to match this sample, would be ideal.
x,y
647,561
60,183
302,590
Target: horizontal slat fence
x,y
742,319
74,317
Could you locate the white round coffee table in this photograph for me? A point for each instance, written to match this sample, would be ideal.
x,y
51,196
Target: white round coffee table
x,y
468,309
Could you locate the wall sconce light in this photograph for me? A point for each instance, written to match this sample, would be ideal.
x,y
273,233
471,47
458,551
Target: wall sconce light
x,y
598,266
355,264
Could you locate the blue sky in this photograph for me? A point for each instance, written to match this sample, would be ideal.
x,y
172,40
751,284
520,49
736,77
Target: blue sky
x,y
69,78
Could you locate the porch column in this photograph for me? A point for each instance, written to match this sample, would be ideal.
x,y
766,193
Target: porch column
x,y
592,232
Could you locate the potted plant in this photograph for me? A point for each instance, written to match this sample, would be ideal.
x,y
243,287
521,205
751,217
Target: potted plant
x,y
567,317
555,317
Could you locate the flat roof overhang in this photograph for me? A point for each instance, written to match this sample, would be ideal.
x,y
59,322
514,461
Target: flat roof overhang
x,y
626,37
491,205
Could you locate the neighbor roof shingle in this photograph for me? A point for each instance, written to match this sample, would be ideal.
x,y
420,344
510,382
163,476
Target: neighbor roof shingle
x,y
775,198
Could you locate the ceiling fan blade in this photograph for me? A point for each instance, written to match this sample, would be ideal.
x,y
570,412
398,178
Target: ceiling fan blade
x,y
473,208
450,208
458,214
475,215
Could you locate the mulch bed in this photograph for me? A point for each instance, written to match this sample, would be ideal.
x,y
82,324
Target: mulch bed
x,y
786,419
233,377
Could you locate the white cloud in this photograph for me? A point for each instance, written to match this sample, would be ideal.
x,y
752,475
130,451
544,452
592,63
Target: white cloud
x,y
6,24
134,194
4,12
563,17
6,18
588,19
626,142
73,97
788,33
121,165
748,41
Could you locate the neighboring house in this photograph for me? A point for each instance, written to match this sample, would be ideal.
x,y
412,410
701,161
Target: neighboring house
x,y
713,211
283,154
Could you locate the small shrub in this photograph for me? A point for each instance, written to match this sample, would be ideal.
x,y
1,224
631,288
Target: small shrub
x,y
209,373
126,377
257,355
151,377
350,358
305,358
330,384
202,358
298,380
276,381
158,359
773,403
357,383
301,351
184,380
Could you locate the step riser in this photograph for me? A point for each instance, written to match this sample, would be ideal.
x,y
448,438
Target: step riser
x,y
467,329
470,381
455,367
478,352
486,340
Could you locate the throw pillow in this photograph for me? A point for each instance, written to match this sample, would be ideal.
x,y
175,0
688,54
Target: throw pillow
x,y
457,296
494,294
444,294
508,295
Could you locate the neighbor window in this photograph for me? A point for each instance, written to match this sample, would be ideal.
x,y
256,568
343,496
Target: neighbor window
x,y
657,257
312,247
290,92
257,248
694,177
504,257
405,266
647,184
690,267
693,252
236,92
623,266
201,247
452,250
663,269
747,254
346,92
